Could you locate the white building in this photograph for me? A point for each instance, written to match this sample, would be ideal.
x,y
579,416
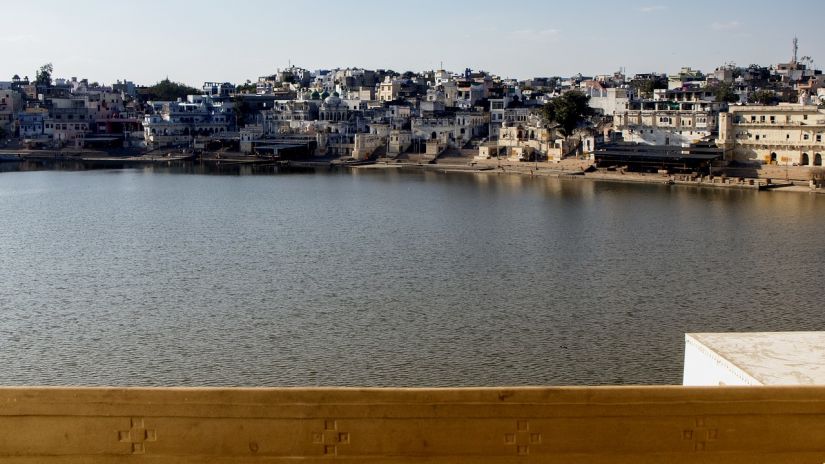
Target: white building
x,y
178,123
676,118
609,101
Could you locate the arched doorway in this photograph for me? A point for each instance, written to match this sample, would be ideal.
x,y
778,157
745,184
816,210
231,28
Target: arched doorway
x,y
804,161
818,159
773,158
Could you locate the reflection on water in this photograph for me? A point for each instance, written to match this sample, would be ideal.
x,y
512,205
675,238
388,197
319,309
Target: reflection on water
x,y
153,276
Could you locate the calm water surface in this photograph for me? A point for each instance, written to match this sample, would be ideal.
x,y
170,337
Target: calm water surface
x,y
165,277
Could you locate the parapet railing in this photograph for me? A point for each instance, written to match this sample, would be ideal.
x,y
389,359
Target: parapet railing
x,y
463,425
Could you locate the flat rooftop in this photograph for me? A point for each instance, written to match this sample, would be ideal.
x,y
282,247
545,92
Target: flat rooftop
x,y
771,358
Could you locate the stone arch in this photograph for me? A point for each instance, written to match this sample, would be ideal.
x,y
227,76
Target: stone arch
x,y
804,161
818,159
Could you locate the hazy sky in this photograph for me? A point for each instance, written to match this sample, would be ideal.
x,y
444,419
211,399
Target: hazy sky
x,y
196,41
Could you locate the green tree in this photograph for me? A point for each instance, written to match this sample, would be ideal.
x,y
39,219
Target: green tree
x,y
247,87
764,97
44,75
724,93
241,109
568,111
645,87
167,90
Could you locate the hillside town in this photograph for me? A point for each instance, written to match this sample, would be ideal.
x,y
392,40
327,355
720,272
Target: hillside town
x,y
688,121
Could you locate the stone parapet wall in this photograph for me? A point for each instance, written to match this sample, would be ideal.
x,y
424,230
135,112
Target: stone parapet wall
x,y
478,425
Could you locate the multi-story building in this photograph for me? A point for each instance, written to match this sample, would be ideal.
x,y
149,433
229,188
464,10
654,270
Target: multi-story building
x,y
30,124
218,89
178,123
11,102
781,134
506,110
608,101
527,141
68,119
468,93
678,117
685,77
400,141
389,89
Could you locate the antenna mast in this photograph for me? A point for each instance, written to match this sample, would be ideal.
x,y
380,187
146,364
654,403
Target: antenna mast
x,y
795,49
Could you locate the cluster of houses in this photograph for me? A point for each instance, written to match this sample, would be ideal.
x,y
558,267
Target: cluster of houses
x,y
755,114
70,113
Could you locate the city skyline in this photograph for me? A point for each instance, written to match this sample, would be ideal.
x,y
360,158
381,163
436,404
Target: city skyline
x,y
106,42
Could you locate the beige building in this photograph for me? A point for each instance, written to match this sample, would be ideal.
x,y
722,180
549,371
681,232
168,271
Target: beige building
x,y
389,89
783,134
526,142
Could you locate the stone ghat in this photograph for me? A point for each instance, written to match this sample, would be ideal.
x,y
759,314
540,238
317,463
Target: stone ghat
x,y
478,425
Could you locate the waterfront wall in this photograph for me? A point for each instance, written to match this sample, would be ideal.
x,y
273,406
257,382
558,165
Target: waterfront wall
x,y
478,425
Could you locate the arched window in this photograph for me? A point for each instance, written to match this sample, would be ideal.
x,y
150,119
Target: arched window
x,y
804,161
818,159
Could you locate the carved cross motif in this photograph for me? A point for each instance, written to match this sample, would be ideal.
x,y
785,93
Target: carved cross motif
x,y
522,438
137,435
700,435
331,438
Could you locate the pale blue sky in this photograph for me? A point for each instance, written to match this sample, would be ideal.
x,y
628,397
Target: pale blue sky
x,y
196,41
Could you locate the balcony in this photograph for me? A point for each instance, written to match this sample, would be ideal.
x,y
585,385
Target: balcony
x,y
471,425
810,123
783,143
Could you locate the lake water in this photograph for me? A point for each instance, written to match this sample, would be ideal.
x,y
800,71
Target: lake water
x,y
170,276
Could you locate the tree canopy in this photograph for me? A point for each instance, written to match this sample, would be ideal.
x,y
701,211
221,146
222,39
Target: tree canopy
x,y
167,90
645,87
724,93
247,87
44,75
764,97
568,110
241,109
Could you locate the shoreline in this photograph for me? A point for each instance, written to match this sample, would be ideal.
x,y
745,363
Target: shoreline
x,y
547,170
566,169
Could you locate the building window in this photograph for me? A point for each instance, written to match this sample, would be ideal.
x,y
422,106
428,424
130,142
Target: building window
x,y
773,119
805,137
818,137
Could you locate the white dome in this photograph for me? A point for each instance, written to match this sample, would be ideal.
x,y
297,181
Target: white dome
x,y
332,100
